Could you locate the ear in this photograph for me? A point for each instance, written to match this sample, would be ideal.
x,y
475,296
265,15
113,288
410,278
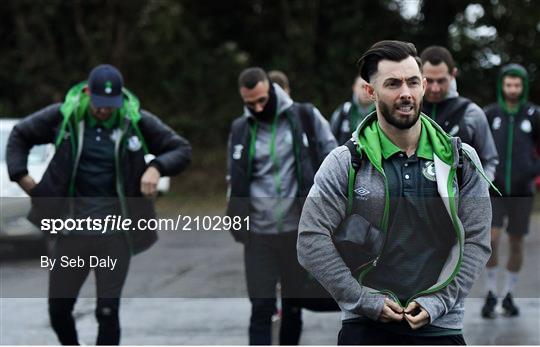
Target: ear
x,y
424,83
370,91
454,72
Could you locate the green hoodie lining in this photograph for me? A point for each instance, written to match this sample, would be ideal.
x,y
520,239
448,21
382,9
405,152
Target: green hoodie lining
x,y
423,150
77,102
371,143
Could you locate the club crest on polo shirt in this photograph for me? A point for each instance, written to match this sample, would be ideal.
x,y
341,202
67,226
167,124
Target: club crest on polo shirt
x,y
429,171
134,144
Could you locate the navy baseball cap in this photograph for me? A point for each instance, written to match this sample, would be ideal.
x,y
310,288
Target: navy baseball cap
x,y
105,83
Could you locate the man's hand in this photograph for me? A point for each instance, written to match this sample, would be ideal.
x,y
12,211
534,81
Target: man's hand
x,y
149,182
27,183
390,312
416,316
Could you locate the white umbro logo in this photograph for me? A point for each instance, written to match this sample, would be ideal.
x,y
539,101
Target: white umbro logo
x,y
362,193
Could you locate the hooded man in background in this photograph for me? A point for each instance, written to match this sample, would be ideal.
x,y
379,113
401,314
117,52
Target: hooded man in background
x,y
515,124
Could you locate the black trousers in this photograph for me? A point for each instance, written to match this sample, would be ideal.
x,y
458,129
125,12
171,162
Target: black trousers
x,y
65,283
371,333
269,259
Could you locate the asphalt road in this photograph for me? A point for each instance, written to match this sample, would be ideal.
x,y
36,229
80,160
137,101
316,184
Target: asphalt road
x,y
190,289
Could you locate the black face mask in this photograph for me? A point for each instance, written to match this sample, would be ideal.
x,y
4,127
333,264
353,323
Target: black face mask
x,y
269,111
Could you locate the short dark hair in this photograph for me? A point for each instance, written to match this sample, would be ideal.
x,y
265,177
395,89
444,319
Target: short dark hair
x,y
279,77
249,77
436,55
385,50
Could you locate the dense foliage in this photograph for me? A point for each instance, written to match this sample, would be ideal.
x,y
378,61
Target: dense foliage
x,y
182,58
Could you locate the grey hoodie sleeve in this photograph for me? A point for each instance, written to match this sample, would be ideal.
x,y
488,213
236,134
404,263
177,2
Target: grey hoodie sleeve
x,y
478,127
326,141
323,211
474,212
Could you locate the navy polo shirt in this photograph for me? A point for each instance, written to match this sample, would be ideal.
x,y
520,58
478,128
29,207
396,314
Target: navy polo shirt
x,y
420,234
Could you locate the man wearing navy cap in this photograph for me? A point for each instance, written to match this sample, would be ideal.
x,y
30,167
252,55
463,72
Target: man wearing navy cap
x,y
98,171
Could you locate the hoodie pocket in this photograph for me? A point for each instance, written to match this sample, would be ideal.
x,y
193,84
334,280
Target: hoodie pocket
x,y
358,241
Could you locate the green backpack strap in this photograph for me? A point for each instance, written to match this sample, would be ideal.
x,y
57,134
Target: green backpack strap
x,y
356,162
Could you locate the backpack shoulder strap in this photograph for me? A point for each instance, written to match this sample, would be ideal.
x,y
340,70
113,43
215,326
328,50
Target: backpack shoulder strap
x,y
457,109
307,116
459,171
356,162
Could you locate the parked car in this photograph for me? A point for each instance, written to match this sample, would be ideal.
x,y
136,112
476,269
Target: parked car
x,y
15,229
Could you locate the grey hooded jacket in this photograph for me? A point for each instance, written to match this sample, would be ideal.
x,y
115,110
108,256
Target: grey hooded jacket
x,y
274,190
326,208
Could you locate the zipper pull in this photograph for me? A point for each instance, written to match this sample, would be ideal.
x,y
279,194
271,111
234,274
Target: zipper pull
x,y
375,262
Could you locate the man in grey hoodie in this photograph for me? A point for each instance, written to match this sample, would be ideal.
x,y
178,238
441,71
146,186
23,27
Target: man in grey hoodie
x,y
274,150
396,225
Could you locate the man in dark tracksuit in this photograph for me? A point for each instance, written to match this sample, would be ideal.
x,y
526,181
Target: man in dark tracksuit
x,y
456,115
515,124
274,150
348,115
98,170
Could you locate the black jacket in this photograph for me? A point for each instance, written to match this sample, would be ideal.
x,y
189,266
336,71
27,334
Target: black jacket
x,y
173,154
517,138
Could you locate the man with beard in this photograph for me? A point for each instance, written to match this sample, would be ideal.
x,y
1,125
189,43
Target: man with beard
x,y
274,150
348,115
515,124
380,229
457,115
